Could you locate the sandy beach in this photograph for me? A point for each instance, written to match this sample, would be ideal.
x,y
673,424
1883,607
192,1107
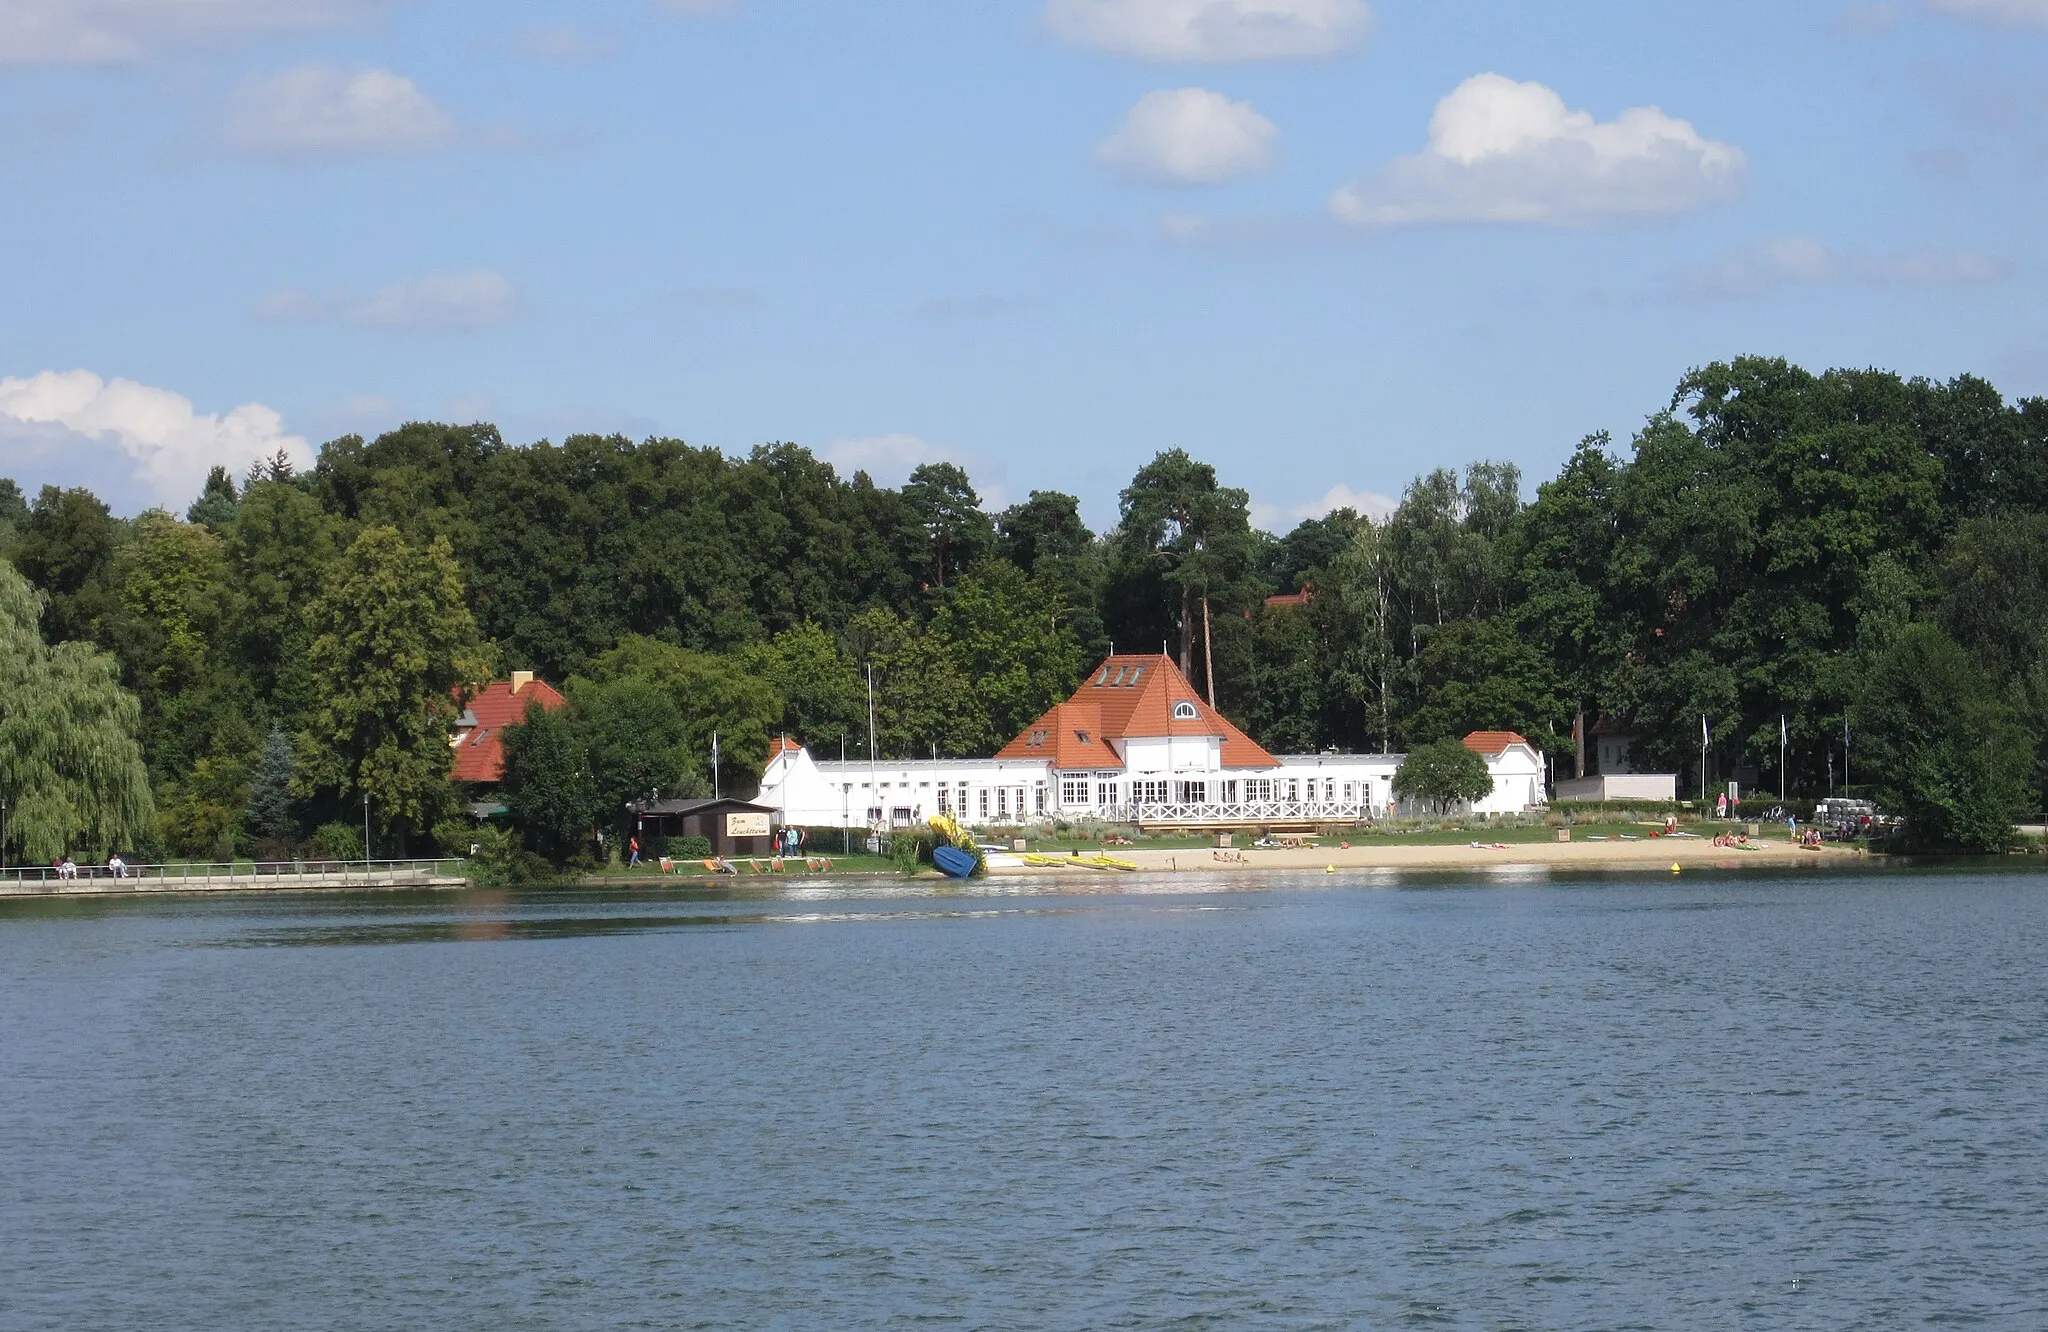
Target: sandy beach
x,y
1648,854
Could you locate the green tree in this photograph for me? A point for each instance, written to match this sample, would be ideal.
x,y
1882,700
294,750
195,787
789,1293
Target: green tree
x,y
1007,635
1180,528
1943,742
71,758
1442,774
1482,675
942,500
548,787
269,811
823,697
711,694
638,746
215,507
66,548
393,645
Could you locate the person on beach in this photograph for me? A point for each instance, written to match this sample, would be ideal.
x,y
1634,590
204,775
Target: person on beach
x,y
1721,806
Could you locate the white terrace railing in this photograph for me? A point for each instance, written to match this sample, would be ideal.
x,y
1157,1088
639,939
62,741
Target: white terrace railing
x,y
1248,811
177,876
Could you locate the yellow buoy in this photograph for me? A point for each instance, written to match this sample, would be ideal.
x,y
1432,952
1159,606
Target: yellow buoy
x,y
1329,869
1674,867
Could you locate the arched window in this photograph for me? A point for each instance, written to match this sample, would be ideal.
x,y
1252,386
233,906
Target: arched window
x,y
1184,711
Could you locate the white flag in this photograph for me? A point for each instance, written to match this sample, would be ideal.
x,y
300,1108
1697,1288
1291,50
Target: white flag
x,y
1783,738
1705,738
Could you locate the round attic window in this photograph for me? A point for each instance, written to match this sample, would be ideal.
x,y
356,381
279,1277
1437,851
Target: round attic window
x,y
1184,711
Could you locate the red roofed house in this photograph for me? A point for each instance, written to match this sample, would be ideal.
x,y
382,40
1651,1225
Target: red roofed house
x,y
479,755
1518,771
1134,743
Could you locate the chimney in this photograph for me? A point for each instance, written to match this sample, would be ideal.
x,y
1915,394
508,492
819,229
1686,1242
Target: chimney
x,y
521,679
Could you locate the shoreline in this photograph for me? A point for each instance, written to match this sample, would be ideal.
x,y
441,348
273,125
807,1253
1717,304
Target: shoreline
x,y
1648,854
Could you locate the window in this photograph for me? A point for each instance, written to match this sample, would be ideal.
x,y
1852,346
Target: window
x,y
945,799
1230,793
1185,711
1258,790
1105,793
1037,737
1148,793
899,817
1136,672
1118,678
1082,736
1073,791
1294,793
1194,793
1038,797
1002,802
1102,680
984,802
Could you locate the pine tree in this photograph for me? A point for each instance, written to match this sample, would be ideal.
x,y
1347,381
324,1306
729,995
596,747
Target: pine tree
x,y
269,812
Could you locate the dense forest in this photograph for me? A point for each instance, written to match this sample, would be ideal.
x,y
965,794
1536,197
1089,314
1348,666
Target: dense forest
x,y
1863,555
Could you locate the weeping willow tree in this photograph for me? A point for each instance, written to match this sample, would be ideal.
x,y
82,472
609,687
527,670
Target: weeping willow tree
x,y
71,765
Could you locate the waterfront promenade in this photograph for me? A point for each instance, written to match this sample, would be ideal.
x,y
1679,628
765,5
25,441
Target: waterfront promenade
x,y
244,876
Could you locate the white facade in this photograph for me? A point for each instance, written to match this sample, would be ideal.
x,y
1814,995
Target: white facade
x,y
1518,780
1177,780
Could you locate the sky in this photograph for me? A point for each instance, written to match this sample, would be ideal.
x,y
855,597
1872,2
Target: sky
x,y
1324,245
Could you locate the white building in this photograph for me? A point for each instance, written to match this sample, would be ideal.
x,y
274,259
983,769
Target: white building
x,y
1135,744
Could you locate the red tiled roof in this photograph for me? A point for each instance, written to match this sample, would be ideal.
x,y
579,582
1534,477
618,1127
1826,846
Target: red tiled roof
x,y
1128,698
478,744
1490,743
1289,600
781,745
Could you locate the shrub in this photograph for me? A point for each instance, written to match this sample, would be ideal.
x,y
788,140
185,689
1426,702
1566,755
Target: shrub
x,y
338,841
687,848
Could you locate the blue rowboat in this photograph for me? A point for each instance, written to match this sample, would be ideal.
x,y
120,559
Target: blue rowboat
x,y
953,862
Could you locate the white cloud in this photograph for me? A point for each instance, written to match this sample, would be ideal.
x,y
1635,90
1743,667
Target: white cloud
x,y
1190,136
1283,518
2010,13
166,443
1190,31
1501,151
1801,261
321,111
437,300
890,459
107,31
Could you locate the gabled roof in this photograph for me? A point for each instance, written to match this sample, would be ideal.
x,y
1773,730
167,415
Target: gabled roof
x,y
1491,743
781,745
1129,698
1290,600
478,741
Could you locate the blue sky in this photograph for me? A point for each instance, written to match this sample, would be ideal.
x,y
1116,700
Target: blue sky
x,y
1322,244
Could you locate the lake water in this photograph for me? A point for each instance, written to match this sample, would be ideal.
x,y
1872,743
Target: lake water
x,y
1744,1101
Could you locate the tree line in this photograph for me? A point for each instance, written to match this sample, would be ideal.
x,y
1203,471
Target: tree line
x,y
1861,554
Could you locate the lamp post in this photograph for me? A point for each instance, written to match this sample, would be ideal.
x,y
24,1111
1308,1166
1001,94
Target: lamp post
x,y
366,832
3,832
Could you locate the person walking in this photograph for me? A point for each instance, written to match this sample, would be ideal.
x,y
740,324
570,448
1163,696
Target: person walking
x,y
633,848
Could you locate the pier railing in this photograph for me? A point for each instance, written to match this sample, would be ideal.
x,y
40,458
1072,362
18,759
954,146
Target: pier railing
x,y
181,876
1218,814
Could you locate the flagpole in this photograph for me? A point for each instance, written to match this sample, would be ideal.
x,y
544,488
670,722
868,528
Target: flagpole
x,y
1782,739
1703,763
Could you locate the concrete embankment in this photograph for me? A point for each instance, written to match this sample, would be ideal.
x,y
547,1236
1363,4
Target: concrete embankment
x,y
153,880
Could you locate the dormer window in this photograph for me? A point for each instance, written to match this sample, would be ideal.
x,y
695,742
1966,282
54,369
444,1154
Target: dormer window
x,y
1037,738
1136,671
1185,711
1082,736
1118,678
